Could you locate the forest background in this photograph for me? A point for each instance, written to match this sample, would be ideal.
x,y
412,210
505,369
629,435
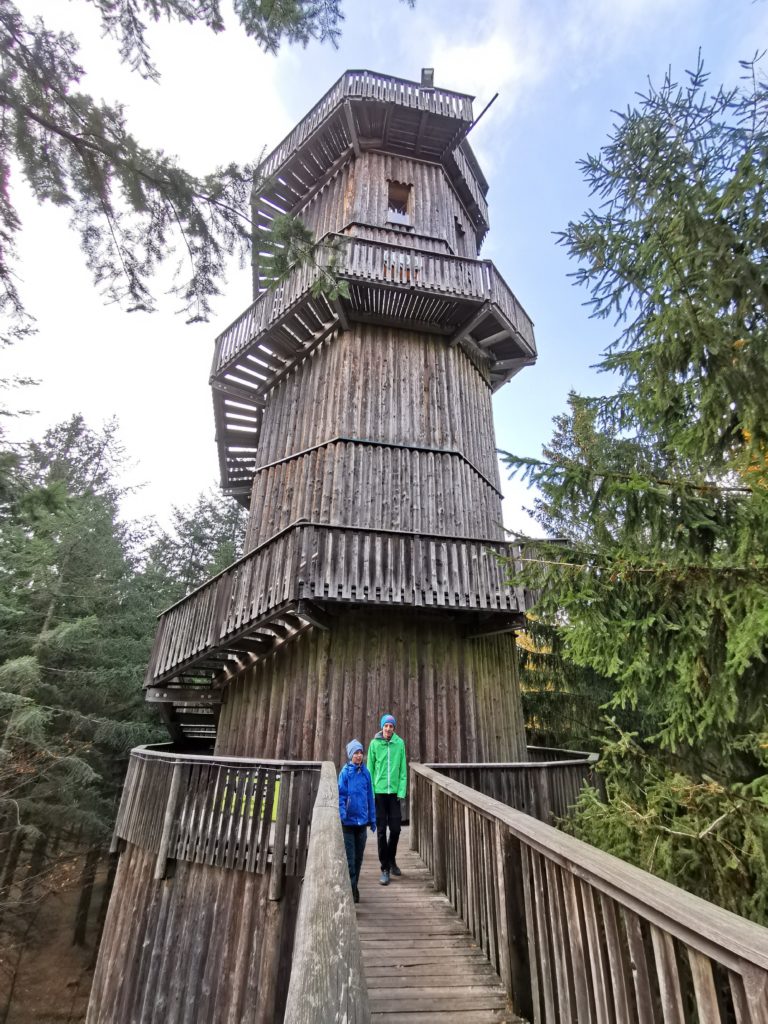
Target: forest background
x,y
650,635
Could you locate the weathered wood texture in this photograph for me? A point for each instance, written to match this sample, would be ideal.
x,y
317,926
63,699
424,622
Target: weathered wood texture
x,y
213,941
376,486
577,934
385,89
547,790
224,812
206,944
388,386
361,112
327,982
414,285
455,699
388,285
355,201
333,565
415,291
421,964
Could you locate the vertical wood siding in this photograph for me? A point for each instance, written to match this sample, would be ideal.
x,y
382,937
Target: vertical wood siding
x,y
204,945
387,385
358,194
376,487
454,699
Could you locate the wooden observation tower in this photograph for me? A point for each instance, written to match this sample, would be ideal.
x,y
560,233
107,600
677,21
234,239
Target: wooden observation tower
x,y
359,433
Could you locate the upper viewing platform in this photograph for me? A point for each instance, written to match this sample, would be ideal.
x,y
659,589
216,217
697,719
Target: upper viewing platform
x,y
366,111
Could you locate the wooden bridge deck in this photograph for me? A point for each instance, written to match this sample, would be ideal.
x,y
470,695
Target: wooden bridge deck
x,y
421,964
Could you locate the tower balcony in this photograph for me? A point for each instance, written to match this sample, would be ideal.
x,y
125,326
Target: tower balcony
x,y
292,582
364,111
465,300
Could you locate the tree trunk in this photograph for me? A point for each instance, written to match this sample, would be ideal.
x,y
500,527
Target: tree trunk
x,y
87,878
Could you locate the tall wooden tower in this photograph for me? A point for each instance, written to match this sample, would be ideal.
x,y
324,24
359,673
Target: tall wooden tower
x,y
359,432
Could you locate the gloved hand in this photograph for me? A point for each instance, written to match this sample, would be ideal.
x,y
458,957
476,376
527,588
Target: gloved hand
x,y
373,827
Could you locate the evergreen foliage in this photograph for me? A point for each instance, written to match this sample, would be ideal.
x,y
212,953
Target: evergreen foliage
x,y
74,632
658,493
565,704
80,591
131,206
205,538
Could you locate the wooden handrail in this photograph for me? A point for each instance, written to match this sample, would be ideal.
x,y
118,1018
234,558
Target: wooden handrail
x,y
576,933
546,789
327,981
362,84
374,262
240,813
330,562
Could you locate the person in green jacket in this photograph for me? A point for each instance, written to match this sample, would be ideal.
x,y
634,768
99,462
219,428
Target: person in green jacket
x,y
387,765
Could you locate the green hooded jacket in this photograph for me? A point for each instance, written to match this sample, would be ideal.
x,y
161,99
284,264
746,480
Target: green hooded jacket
x,y
386,763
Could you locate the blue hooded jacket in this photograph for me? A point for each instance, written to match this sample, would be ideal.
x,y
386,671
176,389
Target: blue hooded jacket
x,y
356,806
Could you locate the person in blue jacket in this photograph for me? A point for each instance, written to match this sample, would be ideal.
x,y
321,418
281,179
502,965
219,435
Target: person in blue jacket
x,y
357,810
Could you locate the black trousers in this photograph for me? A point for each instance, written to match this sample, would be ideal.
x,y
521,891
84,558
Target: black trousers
x,y
354,844
387,817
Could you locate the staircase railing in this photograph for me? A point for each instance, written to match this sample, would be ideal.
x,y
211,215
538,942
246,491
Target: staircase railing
x,y
316,561
577,934
376,263
327,982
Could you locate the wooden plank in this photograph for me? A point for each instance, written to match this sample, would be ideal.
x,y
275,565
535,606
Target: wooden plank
x,y
668,976
704,988
639,966
326,956
724,937
599,969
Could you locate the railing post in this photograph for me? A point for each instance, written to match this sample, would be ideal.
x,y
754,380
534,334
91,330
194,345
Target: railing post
x,y
413,838
438,846
514,968
278,844
170,812
327,980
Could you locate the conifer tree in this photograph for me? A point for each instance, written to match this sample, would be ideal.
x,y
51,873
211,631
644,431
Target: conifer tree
x,y
132,206
74,634
658,493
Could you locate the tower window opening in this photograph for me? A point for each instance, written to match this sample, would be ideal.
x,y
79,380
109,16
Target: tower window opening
x,y
398,203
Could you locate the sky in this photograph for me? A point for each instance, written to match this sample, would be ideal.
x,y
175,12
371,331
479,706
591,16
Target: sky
x,y
561,69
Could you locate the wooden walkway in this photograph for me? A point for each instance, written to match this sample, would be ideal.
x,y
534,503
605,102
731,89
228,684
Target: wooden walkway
x,y
421,964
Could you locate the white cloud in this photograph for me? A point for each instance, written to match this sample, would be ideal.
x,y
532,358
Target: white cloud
x,y
514,48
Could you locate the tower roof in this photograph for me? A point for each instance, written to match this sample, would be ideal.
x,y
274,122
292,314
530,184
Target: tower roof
x,y
362,111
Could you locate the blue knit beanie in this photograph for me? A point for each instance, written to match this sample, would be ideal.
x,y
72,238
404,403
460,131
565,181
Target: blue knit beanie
x,y
388,720
352,747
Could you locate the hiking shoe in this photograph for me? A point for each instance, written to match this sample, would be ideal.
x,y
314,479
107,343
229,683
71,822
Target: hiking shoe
x,y
395,870
356,895
384,878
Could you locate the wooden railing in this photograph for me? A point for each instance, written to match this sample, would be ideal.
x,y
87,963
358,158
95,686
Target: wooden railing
x,y
545,787
327,981
579,935
261,314
364,260
372,261
366,85
225,812
330,563
473,185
